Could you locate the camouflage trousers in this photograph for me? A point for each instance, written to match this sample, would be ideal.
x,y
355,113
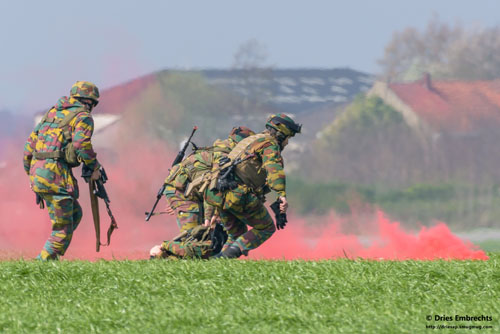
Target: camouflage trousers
x,y
183,250
241,208
65,214
188,211
201,242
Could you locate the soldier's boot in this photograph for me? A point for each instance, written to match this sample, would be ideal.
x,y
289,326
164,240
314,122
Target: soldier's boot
x,y
232,252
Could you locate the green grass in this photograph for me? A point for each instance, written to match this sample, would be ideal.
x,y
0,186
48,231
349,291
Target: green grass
x,y
225,296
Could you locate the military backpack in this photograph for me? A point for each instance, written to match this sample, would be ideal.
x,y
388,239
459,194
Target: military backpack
x,y
68,153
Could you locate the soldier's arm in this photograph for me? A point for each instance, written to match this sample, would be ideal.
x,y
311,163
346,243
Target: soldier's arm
x,y
209,211
273,164
29,148
82,134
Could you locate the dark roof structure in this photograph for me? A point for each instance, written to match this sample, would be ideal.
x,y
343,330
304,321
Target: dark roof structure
x,y
293,91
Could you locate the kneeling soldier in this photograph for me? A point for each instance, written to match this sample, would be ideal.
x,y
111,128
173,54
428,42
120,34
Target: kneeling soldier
x,y
259,169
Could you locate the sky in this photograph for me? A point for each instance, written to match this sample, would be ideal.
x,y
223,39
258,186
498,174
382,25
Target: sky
x,y
48,45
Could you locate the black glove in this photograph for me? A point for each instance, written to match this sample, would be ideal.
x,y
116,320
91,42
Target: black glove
x,y
280,217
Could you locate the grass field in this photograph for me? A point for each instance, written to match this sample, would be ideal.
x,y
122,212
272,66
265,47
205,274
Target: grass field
x,y
228,296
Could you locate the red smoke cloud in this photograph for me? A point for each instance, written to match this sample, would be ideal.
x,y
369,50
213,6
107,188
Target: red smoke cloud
x,y
387,241
134,180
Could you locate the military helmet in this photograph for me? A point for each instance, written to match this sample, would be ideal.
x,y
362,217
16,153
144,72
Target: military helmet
x,y
240,133
85,89
283,124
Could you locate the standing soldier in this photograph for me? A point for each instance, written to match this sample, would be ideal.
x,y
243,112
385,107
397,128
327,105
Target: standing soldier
x,y
60,142
260,169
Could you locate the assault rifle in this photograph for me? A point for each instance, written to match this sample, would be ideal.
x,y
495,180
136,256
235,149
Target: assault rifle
x,y
177,160
96,189
279,216
226,179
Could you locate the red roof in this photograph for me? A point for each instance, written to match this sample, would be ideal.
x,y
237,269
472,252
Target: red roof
x,y
114,100
453,106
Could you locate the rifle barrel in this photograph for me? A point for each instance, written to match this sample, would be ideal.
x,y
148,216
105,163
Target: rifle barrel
x,y
177,160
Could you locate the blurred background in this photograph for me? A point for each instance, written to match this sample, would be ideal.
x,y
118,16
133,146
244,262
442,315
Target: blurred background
x,y
399,101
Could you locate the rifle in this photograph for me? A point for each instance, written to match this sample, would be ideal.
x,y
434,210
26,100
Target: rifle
x,y
177,160
279,216
96,189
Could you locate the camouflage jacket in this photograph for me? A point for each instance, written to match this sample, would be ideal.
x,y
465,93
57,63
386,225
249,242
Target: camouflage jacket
x,y
268,157
193,166
55,176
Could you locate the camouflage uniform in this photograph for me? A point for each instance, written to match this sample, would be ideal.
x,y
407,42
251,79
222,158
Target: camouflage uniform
x,y
201,242
244,205
52,178
191,209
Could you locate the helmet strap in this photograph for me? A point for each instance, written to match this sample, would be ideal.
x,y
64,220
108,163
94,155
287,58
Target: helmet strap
x,y
89,103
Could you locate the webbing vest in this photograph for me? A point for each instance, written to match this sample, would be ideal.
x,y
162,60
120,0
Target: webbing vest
x,y
203,176
250,171
68,154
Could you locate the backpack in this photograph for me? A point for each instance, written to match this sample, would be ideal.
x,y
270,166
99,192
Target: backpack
x,y
250,170
68,154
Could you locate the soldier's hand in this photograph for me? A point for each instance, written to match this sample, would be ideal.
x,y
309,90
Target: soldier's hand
x,y
169,210
210,222
283,204
96,175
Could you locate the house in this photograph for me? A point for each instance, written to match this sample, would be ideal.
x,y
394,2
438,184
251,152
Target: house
x,y
309,95
459,109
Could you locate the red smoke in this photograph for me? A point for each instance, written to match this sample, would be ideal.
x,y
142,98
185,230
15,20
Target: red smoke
x,y
388,241
134,179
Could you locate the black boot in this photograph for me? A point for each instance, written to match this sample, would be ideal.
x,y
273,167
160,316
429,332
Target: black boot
x,y
232,252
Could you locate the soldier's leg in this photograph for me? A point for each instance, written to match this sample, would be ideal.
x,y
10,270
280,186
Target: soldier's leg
x,y
179,249
256,215
187,210
65,214
233,226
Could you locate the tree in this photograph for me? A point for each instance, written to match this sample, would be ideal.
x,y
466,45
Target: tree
x,y
368,143
256,76
444,51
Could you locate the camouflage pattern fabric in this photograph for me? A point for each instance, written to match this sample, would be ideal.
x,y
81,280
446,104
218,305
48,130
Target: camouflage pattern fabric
x,y
86,90
192,210
186,250
65,214
187,209
196,243
53,176
243,207
268,152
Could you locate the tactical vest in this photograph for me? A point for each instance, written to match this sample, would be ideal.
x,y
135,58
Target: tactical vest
x,y
195,167
201,172
68,154
250,170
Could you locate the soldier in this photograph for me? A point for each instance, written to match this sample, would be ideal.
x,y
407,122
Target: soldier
x,y
185,195
188,205
60,142
260,169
